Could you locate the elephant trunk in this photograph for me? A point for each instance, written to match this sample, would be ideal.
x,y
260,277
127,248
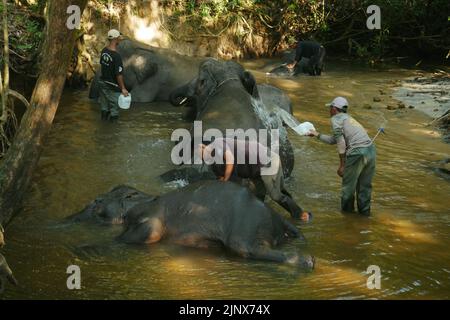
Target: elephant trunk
x,y
183,94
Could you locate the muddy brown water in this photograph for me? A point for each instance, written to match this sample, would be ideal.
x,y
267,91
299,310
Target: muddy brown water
x,y
407,236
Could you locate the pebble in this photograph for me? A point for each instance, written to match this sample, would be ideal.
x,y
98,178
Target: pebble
x,y
390,107
401,105
376,99
411,107
367,106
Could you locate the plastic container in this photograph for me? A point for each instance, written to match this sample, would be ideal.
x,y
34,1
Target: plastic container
x,y
125,102
304,128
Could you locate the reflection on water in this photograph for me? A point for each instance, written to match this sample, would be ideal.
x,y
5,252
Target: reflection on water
x,y
407,237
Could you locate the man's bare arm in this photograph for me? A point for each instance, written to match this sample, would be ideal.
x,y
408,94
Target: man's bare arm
x,y
122,85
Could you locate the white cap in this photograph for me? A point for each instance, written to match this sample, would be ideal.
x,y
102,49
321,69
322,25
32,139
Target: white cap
x,y
339,103
113,34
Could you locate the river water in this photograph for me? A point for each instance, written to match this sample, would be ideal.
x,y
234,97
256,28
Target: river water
x,y
407,236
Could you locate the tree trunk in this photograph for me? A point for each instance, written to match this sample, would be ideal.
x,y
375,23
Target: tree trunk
x,y
22,158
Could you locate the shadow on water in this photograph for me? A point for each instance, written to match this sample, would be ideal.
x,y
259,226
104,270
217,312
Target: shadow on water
x,y
407,237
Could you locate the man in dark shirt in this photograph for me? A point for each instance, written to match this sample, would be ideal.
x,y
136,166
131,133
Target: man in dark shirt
x,y
111,79
312,50
250,159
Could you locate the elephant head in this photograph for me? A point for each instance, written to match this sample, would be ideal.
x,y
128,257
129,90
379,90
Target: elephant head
x,y
211,76
112,207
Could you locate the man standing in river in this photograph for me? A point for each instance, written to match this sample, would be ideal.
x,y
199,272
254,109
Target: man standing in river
x,y
111,79
312,50
357,156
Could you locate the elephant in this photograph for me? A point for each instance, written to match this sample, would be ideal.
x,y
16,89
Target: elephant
x,y
210,213
225,96
6,272
150,73
111,207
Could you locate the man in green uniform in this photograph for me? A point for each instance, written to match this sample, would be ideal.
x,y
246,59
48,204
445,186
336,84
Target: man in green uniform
x,y
111,79
357,157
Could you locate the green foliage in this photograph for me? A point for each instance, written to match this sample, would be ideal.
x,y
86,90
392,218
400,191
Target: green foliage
x,y
25,31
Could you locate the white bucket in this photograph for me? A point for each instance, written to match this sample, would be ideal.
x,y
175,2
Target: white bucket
x,y
304,128
124,102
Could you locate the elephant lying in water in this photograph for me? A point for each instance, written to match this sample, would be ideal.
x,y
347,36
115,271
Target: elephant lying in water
x,y
150,73
204,214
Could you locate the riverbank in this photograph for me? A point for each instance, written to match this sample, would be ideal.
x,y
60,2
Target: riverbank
x,y
430,94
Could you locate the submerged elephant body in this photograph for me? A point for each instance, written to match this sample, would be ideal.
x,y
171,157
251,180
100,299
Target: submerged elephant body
x,y
150,73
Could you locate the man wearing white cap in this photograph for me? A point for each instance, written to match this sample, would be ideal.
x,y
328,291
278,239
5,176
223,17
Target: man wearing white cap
x,y
111,79
357,157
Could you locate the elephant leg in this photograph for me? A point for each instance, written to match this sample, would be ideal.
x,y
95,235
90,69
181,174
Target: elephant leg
x,y
149,231
291,230
264,253
287,158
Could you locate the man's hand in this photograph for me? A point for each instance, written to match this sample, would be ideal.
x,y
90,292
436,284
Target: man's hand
x,y
313,133
223,179
291,66
340,171
125,92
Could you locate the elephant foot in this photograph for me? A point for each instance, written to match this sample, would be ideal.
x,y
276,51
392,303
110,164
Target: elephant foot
x,y
306,263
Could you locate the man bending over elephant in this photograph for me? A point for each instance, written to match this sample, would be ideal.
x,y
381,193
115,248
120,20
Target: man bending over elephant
x,y
111,79
312,50
259,162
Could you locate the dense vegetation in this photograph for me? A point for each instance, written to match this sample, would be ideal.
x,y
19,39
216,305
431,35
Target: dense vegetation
x,y
408,26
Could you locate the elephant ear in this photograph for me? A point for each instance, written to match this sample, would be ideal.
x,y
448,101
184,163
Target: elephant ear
x,y
249,83
143,67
